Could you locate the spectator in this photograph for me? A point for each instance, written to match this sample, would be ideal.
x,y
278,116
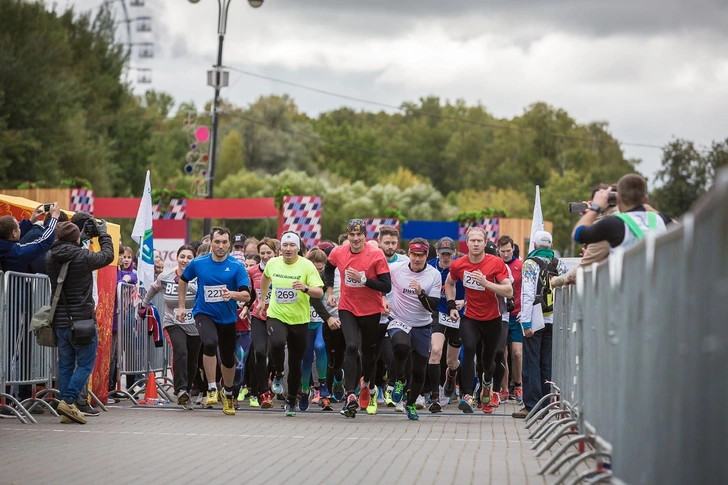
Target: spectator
x,y
38,266
75,362
18,257
537,345
158,263
626,228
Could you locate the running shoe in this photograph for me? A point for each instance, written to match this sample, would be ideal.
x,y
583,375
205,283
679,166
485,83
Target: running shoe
x,y
494,403
372,406
486,392
85,409
420,402
503,398
351,406
364,396
303,400
450,382
254,402
326,404
380,396
443,398
198,400
466,404
71,412
243,392
398,391
290,409
518,392
388,397
435,407
412,412
399,407
211,398
183,399
227,404
316,397
266,400
476,389
324,390
338,390
235,403
277,386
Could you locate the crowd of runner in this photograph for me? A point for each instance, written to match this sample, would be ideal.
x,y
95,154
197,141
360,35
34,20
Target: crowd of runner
x,y
348,327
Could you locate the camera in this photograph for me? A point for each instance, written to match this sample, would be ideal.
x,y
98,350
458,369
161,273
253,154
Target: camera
x,y
93,228
577,207
612,200
47,207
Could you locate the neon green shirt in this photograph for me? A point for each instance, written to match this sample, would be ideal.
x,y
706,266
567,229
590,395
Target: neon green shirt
x,y
286,304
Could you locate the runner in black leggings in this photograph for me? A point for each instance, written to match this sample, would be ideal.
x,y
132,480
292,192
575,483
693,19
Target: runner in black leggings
x,y
485,277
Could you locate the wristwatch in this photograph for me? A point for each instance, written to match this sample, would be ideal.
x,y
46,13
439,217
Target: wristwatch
x,y
595,208
305,289
363,280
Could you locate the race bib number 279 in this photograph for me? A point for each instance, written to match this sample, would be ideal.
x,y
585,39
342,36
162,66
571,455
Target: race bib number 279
x,y
469,281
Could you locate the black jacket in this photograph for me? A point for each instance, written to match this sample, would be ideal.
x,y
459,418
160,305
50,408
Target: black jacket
x,y
78,285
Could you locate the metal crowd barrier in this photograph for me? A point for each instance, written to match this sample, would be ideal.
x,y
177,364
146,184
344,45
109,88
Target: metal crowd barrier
x,y
640,350
136,352
22,361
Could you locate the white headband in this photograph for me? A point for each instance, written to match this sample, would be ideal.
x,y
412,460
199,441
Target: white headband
x,y
291,237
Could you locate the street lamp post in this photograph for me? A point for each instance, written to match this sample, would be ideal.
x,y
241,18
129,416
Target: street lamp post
x,y
218,81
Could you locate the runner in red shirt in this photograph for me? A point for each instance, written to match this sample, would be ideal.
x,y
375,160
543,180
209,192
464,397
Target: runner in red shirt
x,y
267,249
484,276
364,278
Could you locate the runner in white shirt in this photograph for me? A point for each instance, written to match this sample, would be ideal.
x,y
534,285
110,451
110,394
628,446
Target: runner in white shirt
x,y
416,293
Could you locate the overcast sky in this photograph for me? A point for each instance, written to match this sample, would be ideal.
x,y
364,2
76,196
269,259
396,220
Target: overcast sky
x,y
653,69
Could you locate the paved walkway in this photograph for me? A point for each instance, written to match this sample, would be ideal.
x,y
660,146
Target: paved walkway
x,y
164,444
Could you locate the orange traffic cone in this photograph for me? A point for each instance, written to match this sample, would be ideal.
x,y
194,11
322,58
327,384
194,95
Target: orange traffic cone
x,y
150,393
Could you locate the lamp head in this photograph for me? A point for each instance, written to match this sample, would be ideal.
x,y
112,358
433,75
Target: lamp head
x,y
255,3
194,1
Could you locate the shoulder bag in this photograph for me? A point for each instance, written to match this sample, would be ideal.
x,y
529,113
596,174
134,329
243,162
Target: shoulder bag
x,y
84,331
40,324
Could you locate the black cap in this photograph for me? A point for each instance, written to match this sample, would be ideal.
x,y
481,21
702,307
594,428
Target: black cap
x,y
238,239
491,248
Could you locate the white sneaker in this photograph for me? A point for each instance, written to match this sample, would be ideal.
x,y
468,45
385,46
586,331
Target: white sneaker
x,y
420,402
444,400
399,407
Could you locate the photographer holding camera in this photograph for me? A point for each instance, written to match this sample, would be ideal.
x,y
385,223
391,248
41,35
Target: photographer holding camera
x,y
624,229
15,256
76,350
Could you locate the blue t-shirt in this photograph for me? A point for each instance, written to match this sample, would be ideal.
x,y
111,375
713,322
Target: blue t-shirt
x,y
211,277
459,288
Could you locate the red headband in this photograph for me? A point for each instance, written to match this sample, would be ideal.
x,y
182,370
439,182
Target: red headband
x,y
418,247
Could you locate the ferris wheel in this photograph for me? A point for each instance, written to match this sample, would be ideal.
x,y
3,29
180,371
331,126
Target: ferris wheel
x,y
135,28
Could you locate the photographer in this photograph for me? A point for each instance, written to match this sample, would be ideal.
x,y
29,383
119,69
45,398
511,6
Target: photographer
x,y
624,229
75,359
594,252
18,257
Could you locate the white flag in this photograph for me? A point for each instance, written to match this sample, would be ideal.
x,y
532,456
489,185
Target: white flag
x,y
142,235
537,222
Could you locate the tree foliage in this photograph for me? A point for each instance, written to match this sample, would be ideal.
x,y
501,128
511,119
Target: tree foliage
x,y
65,112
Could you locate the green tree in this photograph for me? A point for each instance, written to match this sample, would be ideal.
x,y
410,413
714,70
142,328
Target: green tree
x,y
231,157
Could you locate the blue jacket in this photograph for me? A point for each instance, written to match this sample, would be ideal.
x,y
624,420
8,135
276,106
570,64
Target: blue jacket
x,y
17,257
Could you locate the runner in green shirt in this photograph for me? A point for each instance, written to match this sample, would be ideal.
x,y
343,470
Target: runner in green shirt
x,y
295,280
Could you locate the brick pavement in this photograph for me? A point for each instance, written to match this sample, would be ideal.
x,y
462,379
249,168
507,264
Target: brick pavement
x,y
164,444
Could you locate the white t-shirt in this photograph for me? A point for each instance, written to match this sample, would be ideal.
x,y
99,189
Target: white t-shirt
x,y
398,258
406,306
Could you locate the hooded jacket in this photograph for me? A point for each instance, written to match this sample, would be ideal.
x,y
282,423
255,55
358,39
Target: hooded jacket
x,y
79,282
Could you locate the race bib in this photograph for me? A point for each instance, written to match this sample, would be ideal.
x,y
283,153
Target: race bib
x,y
469,281
286,295
213,294
446,321
315,317
396,324
350,282
188,316
267,296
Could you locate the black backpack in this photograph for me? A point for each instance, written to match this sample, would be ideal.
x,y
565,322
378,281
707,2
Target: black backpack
x,y
544,294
